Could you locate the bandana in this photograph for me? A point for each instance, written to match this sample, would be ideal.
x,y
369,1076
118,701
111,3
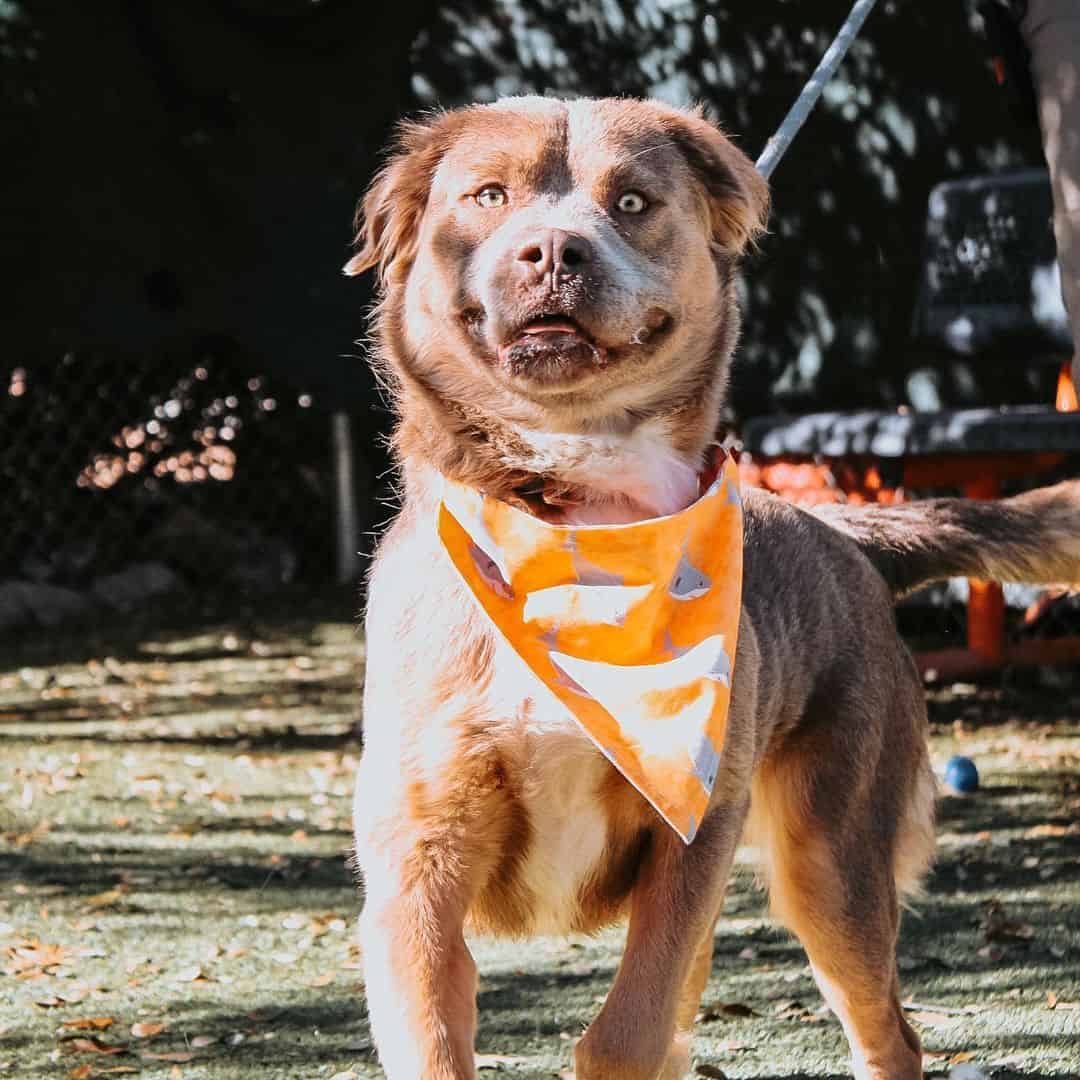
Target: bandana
x,y
632,627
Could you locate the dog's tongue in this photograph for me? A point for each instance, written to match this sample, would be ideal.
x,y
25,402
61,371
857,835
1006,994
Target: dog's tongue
x,y
552,350
551,326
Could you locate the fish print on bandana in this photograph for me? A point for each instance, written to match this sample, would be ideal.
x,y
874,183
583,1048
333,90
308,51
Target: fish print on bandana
x,y
632,627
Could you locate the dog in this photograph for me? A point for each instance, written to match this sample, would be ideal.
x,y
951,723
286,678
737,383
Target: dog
x,y
556,319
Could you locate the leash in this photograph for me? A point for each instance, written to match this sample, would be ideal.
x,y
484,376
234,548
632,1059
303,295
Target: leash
x,y
778,145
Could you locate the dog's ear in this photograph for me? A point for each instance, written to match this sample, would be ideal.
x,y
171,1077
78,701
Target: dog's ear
x,y
737,194
388,219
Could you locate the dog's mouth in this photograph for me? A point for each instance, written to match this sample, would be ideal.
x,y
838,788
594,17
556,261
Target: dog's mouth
x,y
551,348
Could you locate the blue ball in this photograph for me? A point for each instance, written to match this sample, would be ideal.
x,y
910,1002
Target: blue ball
x,y
961,775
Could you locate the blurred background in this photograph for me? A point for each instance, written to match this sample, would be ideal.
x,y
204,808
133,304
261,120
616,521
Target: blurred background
x,y
187,420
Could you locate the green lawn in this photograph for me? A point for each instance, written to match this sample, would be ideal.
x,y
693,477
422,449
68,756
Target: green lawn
x,y
175,821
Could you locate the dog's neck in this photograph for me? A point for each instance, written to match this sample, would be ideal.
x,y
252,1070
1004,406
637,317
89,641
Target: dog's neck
x,y
611,475
608,478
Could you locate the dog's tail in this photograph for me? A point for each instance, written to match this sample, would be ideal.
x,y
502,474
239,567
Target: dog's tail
x,y
1032,538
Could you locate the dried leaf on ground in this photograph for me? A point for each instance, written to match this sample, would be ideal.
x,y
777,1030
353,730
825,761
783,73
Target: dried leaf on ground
x,y
93,1046
726,1010
191,974
147,1030
933,1019
109,898
496,1061
90,1023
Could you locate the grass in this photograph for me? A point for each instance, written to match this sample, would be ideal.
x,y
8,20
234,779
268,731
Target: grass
x,y
175,820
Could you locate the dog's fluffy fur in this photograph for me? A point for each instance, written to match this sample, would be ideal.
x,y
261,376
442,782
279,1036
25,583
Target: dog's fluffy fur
x,y
556,321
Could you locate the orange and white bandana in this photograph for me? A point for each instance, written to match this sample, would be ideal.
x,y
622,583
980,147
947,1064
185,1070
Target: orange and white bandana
x,y
632,627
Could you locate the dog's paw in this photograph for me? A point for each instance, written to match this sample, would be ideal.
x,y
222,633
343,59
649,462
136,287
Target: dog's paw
x,y
622,1061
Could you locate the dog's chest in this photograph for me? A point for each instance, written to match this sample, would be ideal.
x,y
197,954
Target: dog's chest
x,y
560,781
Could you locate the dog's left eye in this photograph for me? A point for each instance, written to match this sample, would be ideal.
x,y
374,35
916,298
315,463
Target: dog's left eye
x,y
491,196
632,202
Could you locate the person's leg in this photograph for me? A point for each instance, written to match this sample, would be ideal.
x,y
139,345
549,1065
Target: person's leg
x,y
1051,29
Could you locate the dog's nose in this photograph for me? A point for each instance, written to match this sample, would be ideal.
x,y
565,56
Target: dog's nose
x,y
555,252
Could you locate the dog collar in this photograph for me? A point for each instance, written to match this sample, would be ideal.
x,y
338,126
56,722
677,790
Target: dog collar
x,y
632,627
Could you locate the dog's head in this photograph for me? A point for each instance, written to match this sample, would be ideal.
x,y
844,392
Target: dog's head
x,y
565,265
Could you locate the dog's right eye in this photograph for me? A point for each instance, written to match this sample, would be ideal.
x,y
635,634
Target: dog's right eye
x,y
491,196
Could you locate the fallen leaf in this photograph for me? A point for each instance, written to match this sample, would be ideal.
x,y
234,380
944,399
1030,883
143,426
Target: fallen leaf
x,y
174,1055
734,1009
92,1046
80,1072
1054,1002
933,1019
90,1023
203,1040
109,898
495,1061
147,1030
943,1010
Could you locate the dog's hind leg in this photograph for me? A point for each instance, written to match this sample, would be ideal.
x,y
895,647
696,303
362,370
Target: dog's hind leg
x,y
842,812
643,1030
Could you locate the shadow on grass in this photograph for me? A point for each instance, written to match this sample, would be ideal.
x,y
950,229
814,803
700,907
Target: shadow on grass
x,y
294,612
175,872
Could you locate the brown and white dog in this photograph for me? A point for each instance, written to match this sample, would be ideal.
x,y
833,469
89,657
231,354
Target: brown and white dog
x,y
556,322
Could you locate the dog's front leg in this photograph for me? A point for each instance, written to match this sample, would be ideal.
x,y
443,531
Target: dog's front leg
x,y
422,858
421,985
643,1030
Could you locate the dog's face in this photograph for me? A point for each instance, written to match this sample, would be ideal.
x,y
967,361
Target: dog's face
x,y
567,259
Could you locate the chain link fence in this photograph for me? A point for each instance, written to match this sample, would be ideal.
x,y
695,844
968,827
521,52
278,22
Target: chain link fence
x,y
137,485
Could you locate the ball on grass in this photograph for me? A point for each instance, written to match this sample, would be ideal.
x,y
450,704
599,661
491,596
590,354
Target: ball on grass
x,y
961,775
